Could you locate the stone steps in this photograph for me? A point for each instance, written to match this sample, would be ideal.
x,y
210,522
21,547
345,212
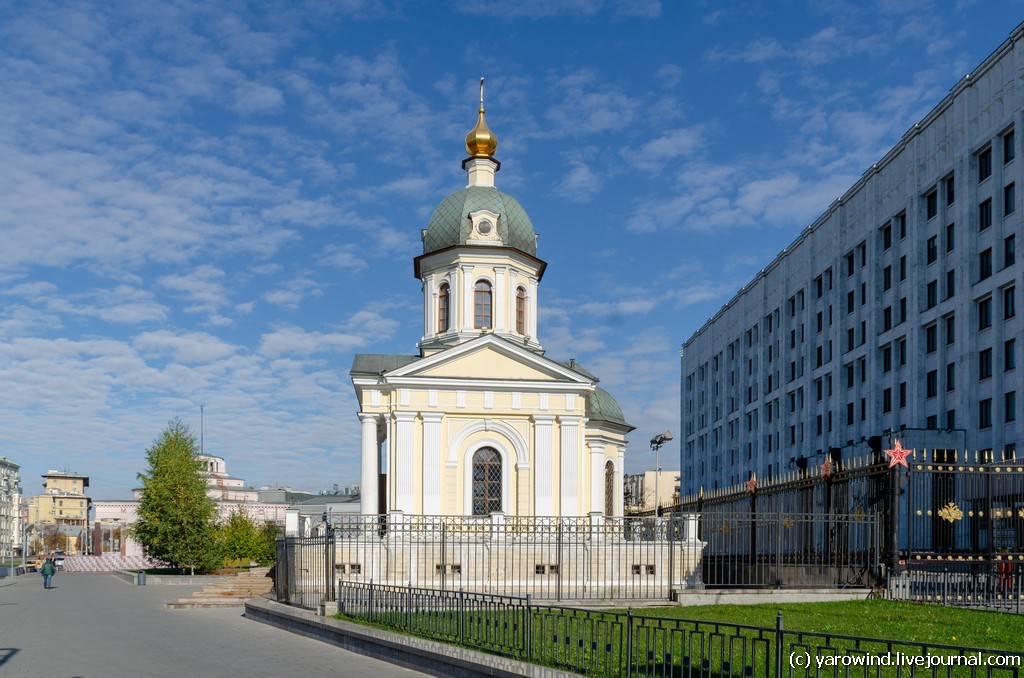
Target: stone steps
x,y
232,592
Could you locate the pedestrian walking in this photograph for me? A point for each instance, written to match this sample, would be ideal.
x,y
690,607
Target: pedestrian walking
x,y
48,569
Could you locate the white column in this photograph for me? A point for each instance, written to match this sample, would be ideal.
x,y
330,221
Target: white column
x,y
617,483
371,465
432,463
513,285
500,302
429,307
543,465
291,522
404,470
467,298
531,309
597,477
569,454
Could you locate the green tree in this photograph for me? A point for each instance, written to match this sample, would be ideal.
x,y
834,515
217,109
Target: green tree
x,y
176,518
241,538
52,539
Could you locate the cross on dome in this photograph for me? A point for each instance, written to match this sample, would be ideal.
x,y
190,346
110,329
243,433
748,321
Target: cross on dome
x,y
481,142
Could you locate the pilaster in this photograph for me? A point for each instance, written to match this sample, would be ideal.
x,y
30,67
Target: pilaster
x,y
500,309
404,470
432,463
542,444
569,454
597,477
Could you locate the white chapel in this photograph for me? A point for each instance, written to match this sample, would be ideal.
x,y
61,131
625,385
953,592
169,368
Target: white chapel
x,y
480,420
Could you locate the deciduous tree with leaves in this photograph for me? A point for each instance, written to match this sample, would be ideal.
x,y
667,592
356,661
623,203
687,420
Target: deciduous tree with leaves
x,y
176,521
242,539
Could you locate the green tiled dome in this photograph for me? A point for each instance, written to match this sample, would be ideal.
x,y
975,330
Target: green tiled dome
x,y
601,406
450,225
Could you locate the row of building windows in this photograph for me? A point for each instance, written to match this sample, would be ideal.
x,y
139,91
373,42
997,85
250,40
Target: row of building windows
x,y
892,315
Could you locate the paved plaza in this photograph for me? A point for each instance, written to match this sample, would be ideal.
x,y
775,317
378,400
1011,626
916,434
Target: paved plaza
x,y
98,626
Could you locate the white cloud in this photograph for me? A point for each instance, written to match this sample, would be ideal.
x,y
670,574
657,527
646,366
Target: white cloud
x,y
580,183
190,347
344,257
291,293
295,340
669,75
587,106
202,288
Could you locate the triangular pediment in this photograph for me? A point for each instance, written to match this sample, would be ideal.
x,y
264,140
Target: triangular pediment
x,y
491,358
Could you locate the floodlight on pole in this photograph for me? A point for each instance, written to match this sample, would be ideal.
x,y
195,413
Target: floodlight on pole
x,y
656,443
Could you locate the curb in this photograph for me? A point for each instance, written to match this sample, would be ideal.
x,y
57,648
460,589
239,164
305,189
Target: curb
x,y
419,654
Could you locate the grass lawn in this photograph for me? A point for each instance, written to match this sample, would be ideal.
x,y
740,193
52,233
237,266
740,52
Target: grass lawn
x,y
594,643
870,618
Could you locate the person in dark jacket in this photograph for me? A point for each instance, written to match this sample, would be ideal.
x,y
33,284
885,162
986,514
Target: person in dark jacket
x,y
48,569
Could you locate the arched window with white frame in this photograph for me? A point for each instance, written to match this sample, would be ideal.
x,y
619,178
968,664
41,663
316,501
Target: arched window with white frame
x,y
487,481
444,298
520,310
482,315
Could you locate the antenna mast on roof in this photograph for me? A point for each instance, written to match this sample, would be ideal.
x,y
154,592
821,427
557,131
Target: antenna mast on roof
x,y
201,430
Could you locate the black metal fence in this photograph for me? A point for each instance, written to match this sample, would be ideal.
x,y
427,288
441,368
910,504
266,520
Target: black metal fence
x,y
998,590
622,644
547,558
788,550
304,570
947,506
585,558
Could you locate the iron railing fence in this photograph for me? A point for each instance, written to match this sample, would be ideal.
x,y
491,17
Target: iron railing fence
x,y
946,506
584,558
304,570
548,558
604,643
788,550
997,589
857,485
963,508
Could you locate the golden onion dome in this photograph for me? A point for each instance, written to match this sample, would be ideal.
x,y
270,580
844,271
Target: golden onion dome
x,y
481,142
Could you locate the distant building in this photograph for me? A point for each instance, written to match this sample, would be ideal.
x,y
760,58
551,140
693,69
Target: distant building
x,y
640,489
62,509
304,517
230,494
281,495
10,503
894,311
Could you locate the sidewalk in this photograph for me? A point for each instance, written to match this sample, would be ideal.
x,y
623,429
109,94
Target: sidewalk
x,y
97,626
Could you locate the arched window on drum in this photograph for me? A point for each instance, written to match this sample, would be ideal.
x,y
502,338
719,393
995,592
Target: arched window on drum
x,y
521,310
482,318
444,299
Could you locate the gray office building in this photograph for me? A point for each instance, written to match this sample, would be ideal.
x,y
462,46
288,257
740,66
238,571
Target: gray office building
x,y
895,311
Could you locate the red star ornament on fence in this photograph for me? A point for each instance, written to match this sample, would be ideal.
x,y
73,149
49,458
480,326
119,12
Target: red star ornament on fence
x,y
751,485
826,468
898,454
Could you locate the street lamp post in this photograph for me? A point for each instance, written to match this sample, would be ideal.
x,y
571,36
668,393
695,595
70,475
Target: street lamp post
x,y
656,443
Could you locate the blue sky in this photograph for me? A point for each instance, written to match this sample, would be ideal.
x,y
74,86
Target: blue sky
x,y
218,204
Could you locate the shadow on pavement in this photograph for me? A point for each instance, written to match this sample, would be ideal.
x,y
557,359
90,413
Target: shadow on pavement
x,y
6,653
